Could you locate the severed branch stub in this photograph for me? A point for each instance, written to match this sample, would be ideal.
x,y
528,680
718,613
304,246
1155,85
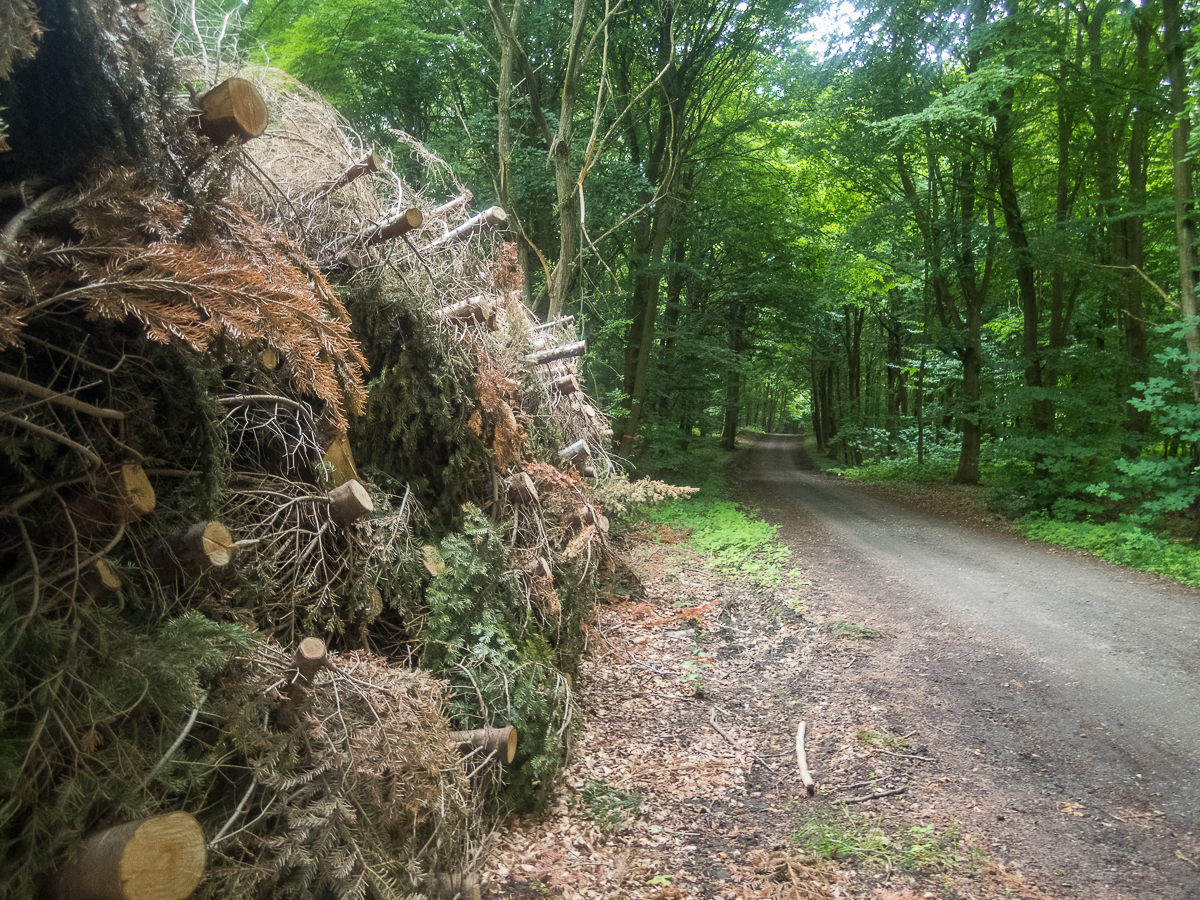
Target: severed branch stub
x,y
204,546
451,205
160,858
310,658
490,740
566,351
576,454
349,502
489,218
802,761
365,166
521,489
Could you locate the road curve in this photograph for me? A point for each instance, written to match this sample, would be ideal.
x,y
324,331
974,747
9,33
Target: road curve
x,y
1106,661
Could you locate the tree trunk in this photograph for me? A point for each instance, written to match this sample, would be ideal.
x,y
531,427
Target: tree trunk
x,y
160,858
1185,224
1041,413
204,546
310,658
733,377
232,109
1132,236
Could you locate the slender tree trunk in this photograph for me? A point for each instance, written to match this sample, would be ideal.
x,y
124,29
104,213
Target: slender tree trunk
x,y
508,195
919,410
733,377
1042,413
1185,224
1132,233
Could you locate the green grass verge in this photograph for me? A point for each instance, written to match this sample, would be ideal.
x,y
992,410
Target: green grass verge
x,y
864,840
1120,543
735,541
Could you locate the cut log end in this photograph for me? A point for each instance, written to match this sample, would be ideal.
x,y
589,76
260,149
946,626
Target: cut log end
x,y
100,580
160,858
233,109
349,502
502,741
135,494
310,657
521,489
204,546
565,386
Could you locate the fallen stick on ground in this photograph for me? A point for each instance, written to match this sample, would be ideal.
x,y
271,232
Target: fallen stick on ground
x,y
899,790
908,756
802,761
712,720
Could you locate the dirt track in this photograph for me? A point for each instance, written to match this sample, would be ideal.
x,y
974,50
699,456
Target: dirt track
x,y
1060,694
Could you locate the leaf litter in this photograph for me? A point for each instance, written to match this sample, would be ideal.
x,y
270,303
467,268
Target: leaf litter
x,y
684,782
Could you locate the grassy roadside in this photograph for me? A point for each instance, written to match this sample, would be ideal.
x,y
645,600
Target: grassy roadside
x,y
734,540
1121,543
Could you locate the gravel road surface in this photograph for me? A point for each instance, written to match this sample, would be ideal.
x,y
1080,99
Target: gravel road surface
x,y
1064,689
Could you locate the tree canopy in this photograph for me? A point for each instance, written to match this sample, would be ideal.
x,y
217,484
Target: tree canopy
x,y
963,237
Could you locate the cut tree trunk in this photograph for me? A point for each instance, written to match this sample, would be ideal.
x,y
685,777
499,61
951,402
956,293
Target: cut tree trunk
x,y
489,218
100,580
475,309
349,502
233,109
310,657
502,741
131,498
403,223
566,351
521,489
160,858
204,546
576,454
135,495
565,386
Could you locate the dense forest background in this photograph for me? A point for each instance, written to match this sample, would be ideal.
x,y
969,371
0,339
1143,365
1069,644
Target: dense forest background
x,y
948,235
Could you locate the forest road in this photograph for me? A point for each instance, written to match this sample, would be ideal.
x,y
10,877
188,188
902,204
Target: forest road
x,y
1063,691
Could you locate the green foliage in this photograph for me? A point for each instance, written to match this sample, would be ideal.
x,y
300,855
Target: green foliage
x,y
482,634
736,542
847,837
92,703
1122,543
610,809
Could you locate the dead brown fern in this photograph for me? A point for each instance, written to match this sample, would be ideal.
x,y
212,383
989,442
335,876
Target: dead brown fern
x,y
239,282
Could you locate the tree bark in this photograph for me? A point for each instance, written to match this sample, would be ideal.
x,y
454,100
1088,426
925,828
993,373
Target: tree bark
x,y
349,502
204,546
489,218
310,658
1185,224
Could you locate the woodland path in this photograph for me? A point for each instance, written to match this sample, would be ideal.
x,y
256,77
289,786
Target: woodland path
x,y
1047,680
